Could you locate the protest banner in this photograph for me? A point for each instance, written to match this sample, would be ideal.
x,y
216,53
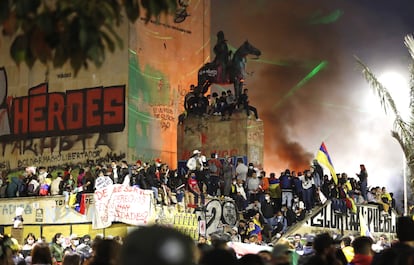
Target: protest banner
x,y
118,203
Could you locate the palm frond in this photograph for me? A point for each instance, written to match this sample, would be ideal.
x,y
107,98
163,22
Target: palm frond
x,y
403,131
387,102
403,128
411,84
409,43
403,144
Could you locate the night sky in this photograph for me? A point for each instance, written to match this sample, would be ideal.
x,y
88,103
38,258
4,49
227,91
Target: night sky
x,y
336,105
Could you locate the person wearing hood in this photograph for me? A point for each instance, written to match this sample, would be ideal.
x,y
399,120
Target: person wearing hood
x,y
13,187
153,177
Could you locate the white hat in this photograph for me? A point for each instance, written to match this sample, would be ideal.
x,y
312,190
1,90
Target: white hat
x,y
73,236
196,152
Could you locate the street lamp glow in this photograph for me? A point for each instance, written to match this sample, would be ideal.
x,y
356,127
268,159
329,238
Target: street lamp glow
x,y
398,87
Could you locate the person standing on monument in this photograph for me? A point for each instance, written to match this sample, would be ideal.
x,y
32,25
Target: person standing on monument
x,y
215,169
194,188
229,173
286,185
241,170
363,178
196,164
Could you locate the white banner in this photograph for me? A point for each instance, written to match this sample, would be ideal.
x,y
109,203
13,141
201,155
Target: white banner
x,y
118,203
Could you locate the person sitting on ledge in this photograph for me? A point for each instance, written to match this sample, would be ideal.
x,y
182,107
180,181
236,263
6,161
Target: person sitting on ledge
x,y
244,101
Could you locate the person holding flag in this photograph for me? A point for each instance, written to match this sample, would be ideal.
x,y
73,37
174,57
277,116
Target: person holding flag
x,y
324,159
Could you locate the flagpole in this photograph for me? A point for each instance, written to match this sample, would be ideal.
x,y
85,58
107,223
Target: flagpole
x,y
405,185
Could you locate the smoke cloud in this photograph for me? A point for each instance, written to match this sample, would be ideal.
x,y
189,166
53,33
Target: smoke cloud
x,y
336,105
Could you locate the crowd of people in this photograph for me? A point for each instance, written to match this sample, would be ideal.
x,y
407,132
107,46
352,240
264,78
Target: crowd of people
x,y
162,245
195,103
269,203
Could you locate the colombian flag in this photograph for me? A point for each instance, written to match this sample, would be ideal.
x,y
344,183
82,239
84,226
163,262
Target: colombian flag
x,y
363,226
274,188
323,158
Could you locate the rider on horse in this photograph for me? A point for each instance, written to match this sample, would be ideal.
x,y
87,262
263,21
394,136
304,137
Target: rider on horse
x,y
222,57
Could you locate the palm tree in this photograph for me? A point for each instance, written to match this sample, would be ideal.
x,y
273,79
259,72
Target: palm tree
x,y
403,131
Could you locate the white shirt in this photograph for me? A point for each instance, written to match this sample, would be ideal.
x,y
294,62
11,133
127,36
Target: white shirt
x,y
240,189
306,184
54,186
241,171
253,184
298,205
42,177
115,175
193,161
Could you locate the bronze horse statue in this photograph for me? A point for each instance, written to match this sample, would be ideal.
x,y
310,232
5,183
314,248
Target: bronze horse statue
x,y
234,73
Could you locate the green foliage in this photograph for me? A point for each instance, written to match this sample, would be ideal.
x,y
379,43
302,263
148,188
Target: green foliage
x,y
403,129
75,31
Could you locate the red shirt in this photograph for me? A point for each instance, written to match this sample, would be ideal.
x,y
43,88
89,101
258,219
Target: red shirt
x,y
192,183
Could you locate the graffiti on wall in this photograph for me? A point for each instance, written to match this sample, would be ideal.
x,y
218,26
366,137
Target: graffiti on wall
x,y
377,223
165,114
217,214
159,81
47,128
90,110
52,207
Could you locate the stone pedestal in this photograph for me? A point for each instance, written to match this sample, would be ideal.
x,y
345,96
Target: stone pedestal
x,y
238,136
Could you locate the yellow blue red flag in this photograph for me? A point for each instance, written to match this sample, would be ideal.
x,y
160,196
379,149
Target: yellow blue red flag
x,y
323,158
364,226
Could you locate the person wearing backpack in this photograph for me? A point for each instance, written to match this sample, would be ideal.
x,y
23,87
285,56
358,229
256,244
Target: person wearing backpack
x,y
3,187
33,187
13,187
215,168
23,184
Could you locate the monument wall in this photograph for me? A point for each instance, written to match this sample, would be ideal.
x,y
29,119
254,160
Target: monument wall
x,y
238,136
126,109
52,117
164,58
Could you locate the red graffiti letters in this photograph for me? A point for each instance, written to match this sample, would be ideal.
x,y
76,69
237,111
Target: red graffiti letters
x,y
41,114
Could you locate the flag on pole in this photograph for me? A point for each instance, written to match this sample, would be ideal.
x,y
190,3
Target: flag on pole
x,y
363,226
323,158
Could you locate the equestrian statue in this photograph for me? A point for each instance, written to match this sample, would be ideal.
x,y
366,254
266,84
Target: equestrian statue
x,y
226,68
